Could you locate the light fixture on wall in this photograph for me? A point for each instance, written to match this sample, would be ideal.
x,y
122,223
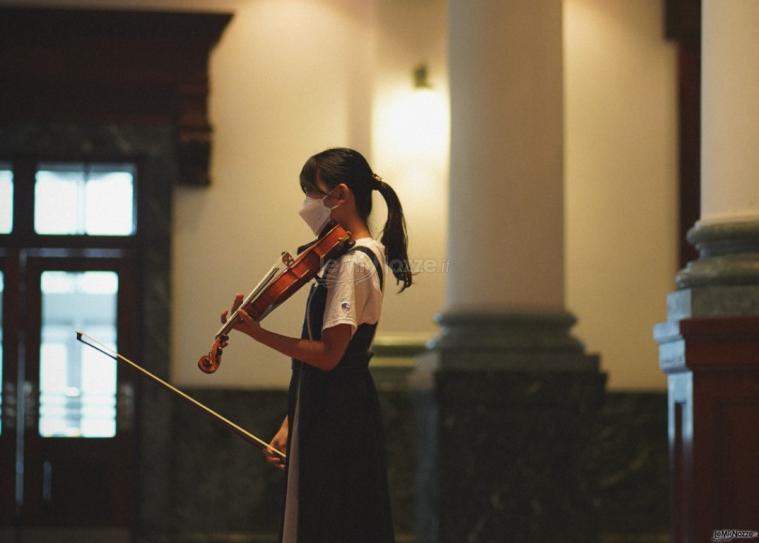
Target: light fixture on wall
x,y
411,132
420,75
417,120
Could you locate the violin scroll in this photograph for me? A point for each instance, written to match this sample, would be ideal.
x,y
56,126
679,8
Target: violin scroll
x,y
209,363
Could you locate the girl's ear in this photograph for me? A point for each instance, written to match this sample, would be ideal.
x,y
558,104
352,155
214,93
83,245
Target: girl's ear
x,y
343,192
338,195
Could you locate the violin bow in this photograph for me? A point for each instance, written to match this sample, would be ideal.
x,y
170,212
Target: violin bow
x,y
239,430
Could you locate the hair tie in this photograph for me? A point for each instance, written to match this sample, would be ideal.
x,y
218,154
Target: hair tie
x,y
377,182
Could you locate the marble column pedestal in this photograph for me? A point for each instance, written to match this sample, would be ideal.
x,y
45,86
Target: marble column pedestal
x,y
505,406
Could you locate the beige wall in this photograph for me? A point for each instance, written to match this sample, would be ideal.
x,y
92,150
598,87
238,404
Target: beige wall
x,y
621,238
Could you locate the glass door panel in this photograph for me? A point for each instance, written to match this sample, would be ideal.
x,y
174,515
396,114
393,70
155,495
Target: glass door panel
x,y
77,384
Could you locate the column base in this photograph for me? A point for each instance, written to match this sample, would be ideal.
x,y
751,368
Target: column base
x,y
505,409
728,255
513,340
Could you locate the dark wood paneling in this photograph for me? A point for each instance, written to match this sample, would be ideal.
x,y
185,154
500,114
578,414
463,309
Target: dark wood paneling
x,y
682,19
11,325
112,67
689,152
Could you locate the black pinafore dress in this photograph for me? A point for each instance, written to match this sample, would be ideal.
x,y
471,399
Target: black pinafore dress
x,y
336,446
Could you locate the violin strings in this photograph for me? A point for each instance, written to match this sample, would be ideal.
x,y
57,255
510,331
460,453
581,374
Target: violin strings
x,y
98,346
274,271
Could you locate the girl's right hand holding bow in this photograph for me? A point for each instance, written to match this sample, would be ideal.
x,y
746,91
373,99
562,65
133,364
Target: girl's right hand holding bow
x,y
279,442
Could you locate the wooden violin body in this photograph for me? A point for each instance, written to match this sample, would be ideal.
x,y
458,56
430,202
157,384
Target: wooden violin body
x,y
282,281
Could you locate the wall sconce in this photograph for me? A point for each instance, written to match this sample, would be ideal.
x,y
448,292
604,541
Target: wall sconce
x,y
410,132
420,75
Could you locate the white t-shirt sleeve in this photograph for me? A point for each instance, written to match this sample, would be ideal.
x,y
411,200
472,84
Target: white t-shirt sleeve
x,y
349,291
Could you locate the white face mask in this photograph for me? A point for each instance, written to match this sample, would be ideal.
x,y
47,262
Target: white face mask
x,y
316,213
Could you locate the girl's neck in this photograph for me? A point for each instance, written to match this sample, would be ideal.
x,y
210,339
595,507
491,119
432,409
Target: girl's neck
x,y
357,228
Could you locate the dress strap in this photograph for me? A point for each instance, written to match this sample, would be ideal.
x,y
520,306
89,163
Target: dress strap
x,y
322,281
368,252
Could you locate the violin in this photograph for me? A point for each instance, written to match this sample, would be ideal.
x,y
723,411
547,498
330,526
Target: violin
x,y
285,277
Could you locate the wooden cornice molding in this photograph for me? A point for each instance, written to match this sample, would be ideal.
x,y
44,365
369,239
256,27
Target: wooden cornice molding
x,y
107,66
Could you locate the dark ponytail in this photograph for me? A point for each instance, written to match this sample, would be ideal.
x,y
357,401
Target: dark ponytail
x,y
342,165
394,236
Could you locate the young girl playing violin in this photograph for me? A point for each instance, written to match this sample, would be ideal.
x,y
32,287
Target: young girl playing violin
x,y
335,475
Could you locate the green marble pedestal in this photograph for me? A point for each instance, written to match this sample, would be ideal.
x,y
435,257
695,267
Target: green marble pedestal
x,y
505,406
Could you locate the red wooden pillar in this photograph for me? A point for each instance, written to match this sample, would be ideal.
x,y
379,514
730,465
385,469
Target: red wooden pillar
x,y
712,367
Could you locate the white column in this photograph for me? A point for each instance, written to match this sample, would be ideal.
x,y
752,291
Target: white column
x,y
730,111
506,177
